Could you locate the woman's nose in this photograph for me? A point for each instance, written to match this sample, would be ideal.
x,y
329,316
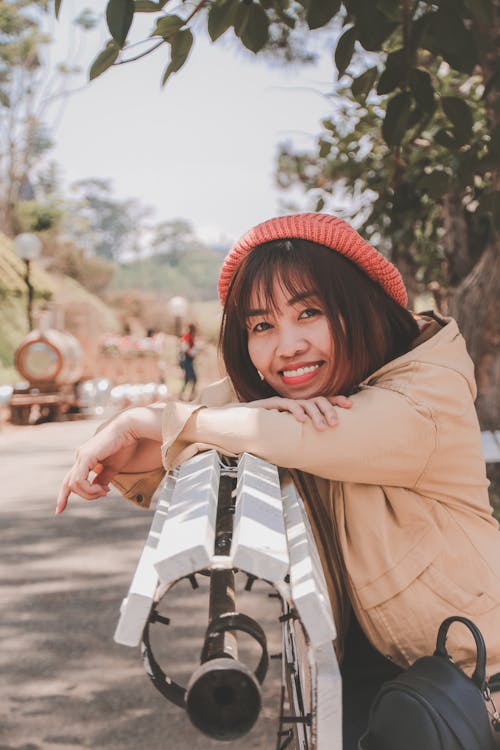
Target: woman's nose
x,y
290,343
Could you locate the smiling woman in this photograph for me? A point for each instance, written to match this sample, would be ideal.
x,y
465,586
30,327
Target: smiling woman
x,y
371,408
329,298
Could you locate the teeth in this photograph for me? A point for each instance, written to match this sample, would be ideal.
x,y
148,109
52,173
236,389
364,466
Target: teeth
x,y
299,371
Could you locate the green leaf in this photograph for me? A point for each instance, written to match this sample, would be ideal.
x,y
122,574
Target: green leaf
x,y
166,75
372,27
362,85
181,47
393,74
146,6
391,9
251,25
324,148
57,7
329,125
320,12
344,50
320,204
423,90
459,114
445,138
167,26
104,60
396,119
220,17
180,44
119,17
445,34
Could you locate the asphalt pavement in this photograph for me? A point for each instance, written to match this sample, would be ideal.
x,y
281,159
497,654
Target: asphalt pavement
x,y
65,683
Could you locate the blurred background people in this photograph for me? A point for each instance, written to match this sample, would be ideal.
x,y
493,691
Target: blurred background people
x,y
188,352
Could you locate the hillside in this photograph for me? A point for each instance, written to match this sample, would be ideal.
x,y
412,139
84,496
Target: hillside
x,y
13,298
192,274
67,293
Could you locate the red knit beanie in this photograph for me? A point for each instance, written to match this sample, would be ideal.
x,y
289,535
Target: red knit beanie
x,y
325,230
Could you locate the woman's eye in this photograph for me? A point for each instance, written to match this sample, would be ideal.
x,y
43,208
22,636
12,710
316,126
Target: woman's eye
x,y
262,326
310,312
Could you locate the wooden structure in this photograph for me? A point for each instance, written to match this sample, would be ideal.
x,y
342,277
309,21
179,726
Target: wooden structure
x,y
51,362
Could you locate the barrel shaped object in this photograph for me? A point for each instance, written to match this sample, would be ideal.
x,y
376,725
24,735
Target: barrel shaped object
x,y
49,357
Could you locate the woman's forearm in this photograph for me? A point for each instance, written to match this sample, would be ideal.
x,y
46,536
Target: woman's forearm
x,y
142,422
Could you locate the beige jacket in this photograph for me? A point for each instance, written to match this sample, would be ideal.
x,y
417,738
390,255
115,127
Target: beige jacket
x,y
396,494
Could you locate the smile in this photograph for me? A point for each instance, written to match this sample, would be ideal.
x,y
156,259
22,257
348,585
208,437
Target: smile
x,y
300,371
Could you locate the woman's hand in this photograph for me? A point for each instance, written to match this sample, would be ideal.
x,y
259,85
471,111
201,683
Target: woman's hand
x,y
121,444
320,410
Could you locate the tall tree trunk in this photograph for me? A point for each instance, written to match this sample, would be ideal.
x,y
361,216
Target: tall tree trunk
x,y
476,306
476,301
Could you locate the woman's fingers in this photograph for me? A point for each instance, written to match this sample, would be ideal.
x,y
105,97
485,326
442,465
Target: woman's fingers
x,y
328,411
320,410
104,476
77,481
341,401
315,409
62,498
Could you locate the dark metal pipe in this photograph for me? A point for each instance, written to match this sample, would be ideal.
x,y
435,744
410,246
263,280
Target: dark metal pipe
x,y
223,696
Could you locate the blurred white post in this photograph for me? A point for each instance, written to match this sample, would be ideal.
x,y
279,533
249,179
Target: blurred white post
x,y
178,308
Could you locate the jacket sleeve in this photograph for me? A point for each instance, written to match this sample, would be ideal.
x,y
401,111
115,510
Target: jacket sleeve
x,y
140,487
385,438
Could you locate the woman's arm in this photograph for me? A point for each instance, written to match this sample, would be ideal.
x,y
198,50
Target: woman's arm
x,y
130,441
384,439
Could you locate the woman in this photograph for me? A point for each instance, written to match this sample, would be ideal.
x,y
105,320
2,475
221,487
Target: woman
x,y
392,477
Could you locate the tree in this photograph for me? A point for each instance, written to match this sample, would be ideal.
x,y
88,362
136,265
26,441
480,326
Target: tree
x,y
29,86
102,224
409,42
173,238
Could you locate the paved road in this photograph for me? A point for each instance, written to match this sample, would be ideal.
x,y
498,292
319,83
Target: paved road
x,y
65,683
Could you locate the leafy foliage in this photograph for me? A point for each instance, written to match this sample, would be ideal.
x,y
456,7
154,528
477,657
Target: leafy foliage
x,y
400,204
29,84
102,224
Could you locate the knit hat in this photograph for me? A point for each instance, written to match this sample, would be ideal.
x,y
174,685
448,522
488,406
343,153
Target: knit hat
x,y
325,230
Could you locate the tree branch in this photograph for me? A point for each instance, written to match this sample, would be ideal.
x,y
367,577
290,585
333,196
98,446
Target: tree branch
x,y
158,44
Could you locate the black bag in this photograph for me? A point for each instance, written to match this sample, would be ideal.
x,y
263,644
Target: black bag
x,y
433,705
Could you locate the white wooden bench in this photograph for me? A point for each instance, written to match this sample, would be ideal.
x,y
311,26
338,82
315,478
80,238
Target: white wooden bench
x,y
272,540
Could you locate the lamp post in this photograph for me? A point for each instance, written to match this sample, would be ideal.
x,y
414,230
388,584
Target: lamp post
x,y
28,247
178,308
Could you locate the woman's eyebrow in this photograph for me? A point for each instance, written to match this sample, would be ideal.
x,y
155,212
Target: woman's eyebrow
x,y
299,297
256,312
302,296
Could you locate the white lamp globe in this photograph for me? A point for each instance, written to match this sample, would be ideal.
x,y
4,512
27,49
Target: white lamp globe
x,y
178,307
27,246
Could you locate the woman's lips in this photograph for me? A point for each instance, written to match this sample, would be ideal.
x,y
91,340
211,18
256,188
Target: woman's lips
x,y
300,373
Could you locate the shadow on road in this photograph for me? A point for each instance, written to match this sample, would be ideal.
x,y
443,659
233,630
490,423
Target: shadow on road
x,y
66,684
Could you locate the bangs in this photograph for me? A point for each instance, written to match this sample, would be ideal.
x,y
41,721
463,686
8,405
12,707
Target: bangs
x,y
272,267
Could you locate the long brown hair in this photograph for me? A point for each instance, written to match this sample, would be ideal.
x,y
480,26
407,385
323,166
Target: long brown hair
x,y
368,327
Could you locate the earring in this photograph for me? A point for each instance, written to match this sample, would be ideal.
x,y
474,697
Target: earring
x,y
261,376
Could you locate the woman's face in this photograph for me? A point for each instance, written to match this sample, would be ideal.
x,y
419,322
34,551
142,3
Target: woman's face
x,y
291,346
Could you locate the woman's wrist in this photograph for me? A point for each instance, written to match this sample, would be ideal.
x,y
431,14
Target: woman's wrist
x,y
141,423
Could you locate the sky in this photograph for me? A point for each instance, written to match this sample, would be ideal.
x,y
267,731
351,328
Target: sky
x,y
204,147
